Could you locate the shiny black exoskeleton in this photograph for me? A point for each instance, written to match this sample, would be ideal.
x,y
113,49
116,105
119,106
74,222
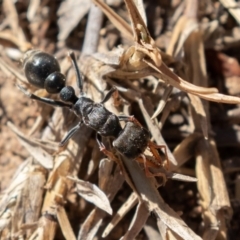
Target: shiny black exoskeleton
x,y
43,71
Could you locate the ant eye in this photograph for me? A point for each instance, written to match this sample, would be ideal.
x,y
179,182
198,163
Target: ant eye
x,y
38,66
67,94
54,82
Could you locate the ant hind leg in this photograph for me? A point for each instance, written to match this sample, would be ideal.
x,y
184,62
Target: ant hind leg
x,y
129,119
153,148
142,159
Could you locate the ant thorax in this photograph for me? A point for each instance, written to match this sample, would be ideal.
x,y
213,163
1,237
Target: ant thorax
x,y
97,117
83,106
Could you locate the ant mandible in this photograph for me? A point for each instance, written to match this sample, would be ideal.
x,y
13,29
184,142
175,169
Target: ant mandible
x,y
43,71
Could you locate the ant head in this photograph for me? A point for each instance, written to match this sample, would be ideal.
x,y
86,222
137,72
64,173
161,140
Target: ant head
x,y
67,94
43,71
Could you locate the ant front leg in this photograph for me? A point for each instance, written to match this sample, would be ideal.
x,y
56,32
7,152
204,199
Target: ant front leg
x,y
48,101
70,134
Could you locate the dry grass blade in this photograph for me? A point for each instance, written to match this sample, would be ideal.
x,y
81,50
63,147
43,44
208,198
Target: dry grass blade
x,y
65,224
140,6
173,103
32,9
43,157
198,107
138,221
46,228
70,13
185,150
233,8
198,74
125,208
151,231
12,15
212,187
91,40
23,197
21,175
10,70
136,20
181,31
162,228
209,94
162,102
120,24
181,177
7,39
105,172
91,225
183,28
219,98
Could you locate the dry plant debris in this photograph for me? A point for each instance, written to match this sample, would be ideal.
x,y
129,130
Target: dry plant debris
x,y
175,65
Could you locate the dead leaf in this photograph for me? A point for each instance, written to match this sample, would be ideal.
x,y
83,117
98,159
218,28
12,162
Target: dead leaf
x,y
91,193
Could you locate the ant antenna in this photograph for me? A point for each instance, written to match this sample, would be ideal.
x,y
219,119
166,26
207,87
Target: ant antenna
x,y
77,71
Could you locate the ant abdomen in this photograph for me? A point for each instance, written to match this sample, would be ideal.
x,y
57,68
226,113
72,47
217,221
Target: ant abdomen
x,y
43,71
132,141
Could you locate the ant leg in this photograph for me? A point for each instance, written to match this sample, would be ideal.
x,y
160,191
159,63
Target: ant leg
x,y
70,134
108,95
142,159
103,149
129,119
155,153
45,100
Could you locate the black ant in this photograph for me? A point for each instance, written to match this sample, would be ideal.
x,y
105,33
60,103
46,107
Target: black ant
x,y
43,71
